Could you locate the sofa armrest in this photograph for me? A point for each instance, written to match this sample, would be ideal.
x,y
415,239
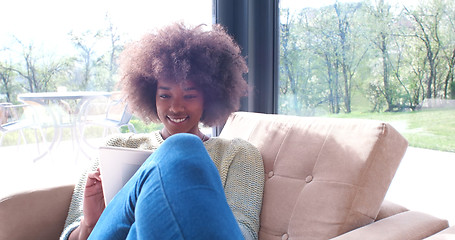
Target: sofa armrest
x,y
408,225
37,214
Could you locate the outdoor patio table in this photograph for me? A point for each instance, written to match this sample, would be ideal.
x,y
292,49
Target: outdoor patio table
x,y
72,101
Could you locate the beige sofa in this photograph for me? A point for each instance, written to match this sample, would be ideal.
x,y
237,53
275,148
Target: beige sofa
x,y
325,178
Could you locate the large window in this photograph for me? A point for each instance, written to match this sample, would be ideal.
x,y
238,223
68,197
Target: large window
x,y
73,46
390,60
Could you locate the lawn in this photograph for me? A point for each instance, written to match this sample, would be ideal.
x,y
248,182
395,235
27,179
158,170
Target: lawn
x,y
431,129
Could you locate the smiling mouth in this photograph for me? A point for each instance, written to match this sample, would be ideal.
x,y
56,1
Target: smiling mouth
x,y
177,120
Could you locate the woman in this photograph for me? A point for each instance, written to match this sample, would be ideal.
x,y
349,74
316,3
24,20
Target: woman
x,y
192,186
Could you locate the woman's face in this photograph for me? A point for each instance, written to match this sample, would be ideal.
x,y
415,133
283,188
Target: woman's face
x,y
179,107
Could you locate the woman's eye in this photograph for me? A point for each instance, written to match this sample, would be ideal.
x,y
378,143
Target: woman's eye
x,y
164,96
190,96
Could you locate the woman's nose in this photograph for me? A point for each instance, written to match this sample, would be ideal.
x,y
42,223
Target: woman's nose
x,y
176,106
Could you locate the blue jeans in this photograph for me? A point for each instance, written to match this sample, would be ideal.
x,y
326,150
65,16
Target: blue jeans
x,y
176,194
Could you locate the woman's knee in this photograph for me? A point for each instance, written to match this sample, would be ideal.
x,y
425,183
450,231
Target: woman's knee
x,y
182,148
183,156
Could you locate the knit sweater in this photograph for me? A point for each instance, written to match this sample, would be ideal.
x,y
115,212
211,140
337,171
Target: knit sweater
x,y
238,162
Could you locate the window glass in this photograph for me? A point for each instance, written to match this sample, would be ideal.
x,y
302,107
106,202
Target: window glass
x,y
387,60
65,47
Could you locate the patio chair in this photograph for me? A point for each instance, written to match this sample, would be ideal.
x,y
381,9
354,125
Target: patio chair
x,y
18,118
111,114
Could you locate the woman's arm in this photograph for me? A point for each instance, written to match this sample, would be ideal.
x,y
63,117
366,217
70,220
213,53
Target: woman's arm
x,y
80,232
244,186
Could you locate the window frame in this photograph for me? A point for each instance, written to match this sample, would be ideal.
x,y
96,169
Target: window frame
x,y
254,24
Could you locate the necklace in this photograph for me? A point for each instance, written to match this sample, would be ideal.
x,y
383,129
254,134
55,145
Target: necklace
x,y
204,138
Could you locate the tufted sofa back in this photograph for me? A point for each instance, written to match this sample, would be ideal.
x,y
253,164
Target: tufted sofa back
x,y
324,176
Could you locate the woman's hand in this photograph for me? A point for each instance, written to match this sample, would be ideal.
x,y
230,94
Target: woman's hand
x,y
93,199
93,206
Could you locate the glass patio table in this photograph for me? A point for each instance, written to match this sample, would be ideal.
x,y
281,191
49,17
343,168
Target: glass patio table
x,y
63,108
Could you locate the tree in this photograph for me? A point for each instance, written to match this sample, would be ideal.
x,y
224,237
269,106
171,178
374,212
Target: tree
x,y
291,59
37,69
450,72
86,43
116,47
327,48
449,50
427,20
417,62
99,51
320,55
7,80
352,51
380,34
300,94
385,34
343,32
396,55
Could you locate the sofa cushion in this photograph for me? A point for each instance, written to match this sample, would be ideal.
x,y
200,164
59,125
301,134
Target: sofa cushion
x,y
409,225
324,176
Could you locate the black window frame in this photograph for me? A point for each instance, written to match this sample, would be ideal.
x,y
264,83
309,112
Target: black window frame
x,y
254,24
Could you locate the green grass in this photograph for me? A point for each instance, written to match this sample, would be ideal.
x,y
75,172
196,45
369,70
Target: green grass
x,y
141,127
14,138
430,129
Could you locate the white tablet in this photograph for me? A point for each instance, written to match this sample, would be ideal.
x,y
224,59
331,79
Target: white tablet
x,y
117,166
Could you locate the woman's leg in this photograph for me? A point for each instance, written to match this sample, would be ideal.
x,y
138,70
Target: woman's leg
x,y
176,194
